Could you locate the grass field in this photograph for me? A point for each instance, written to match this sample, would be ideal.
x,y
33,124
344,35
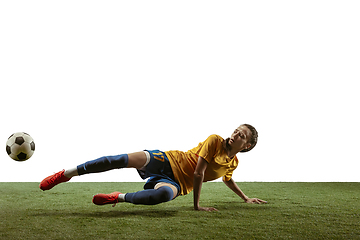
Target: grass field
x,y
294,211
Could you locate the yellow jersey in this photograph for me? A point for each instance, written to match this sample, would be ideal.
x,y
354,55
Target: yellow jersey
x,y
183,164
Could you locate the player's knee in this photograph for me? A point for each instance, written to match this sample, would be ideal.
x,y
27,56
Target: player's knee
x,y
150,196
163,194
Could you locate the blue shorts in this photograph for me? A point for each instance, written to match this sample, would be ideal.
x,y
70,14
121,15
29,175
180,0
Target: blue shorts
x,y
158,170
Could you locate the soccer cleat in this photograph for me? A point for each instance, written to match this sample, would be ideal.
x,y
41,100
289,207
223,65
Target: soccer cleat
x,y
102,199
53,180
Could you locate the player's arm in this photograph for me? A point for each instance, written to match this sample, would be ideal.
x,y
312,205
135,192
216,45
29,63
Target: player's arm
x,y
235,188
198,180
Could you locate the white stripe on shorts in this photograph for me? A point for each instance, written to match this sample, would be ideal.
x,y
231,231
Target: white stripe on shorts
x,y
147,160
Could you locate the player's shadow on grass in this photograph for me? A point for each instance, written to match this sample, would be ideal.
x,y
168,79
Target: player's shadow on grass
x,y
112,213
140,212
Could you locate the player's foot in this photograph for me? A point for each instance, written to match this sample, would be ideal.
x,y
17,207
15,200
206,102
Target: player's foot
x,y
102,199
53,180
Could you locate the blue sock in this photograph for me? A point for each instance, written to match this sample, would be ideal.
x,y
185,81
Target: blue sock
x,y
103,164
150,196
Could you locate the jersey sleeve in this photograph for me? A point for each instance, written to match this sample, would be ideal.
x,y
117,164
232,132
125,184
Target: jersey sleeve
x,y
208,148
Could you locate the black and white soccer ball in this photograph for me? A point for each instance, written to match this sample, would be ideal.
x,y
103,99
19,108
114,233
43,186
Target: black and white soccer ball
x,y
20,146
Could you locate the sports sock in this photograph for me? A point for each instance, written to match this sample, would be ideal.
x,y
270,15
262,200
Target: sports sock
x,y
121,197
150,196
72,172
103,164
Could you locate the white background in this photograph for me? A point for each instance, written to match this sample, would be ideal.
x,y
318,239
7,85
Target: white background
x,y
93,78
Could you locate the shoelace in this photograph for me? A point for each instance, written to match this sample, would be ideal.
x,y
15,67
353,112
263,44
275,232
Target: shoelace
x,y
116,201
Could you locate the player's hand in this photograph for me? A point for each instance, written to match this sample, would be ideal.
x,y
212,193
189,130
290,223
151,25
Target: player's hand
x,y
207,209
255,200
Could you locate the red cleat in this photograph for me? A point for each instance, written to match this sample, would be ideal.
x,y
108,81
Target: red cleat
x,y
53,180
102,199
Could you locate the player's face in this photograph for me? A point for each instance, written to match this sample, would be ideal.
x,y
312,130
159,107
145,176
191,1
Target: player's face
x,y
240,137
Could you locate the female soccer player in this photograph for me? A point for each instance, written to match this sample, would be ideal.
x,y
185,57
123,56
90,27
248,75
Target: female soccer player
x,y
171,173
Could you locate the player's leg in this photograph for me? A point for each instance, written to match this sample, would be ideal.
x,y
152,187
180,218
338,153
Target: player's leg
x,y
132,160
102,164
162,192
138,160
173,188
161,186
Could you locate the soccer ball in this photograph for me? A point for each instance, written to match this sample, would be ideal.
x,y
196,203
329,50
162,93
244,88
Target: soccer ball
x,y
20,146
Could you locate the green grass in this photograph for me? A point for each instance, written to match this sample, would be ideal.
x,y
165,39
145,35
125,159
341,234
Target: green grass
x,y
294,211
